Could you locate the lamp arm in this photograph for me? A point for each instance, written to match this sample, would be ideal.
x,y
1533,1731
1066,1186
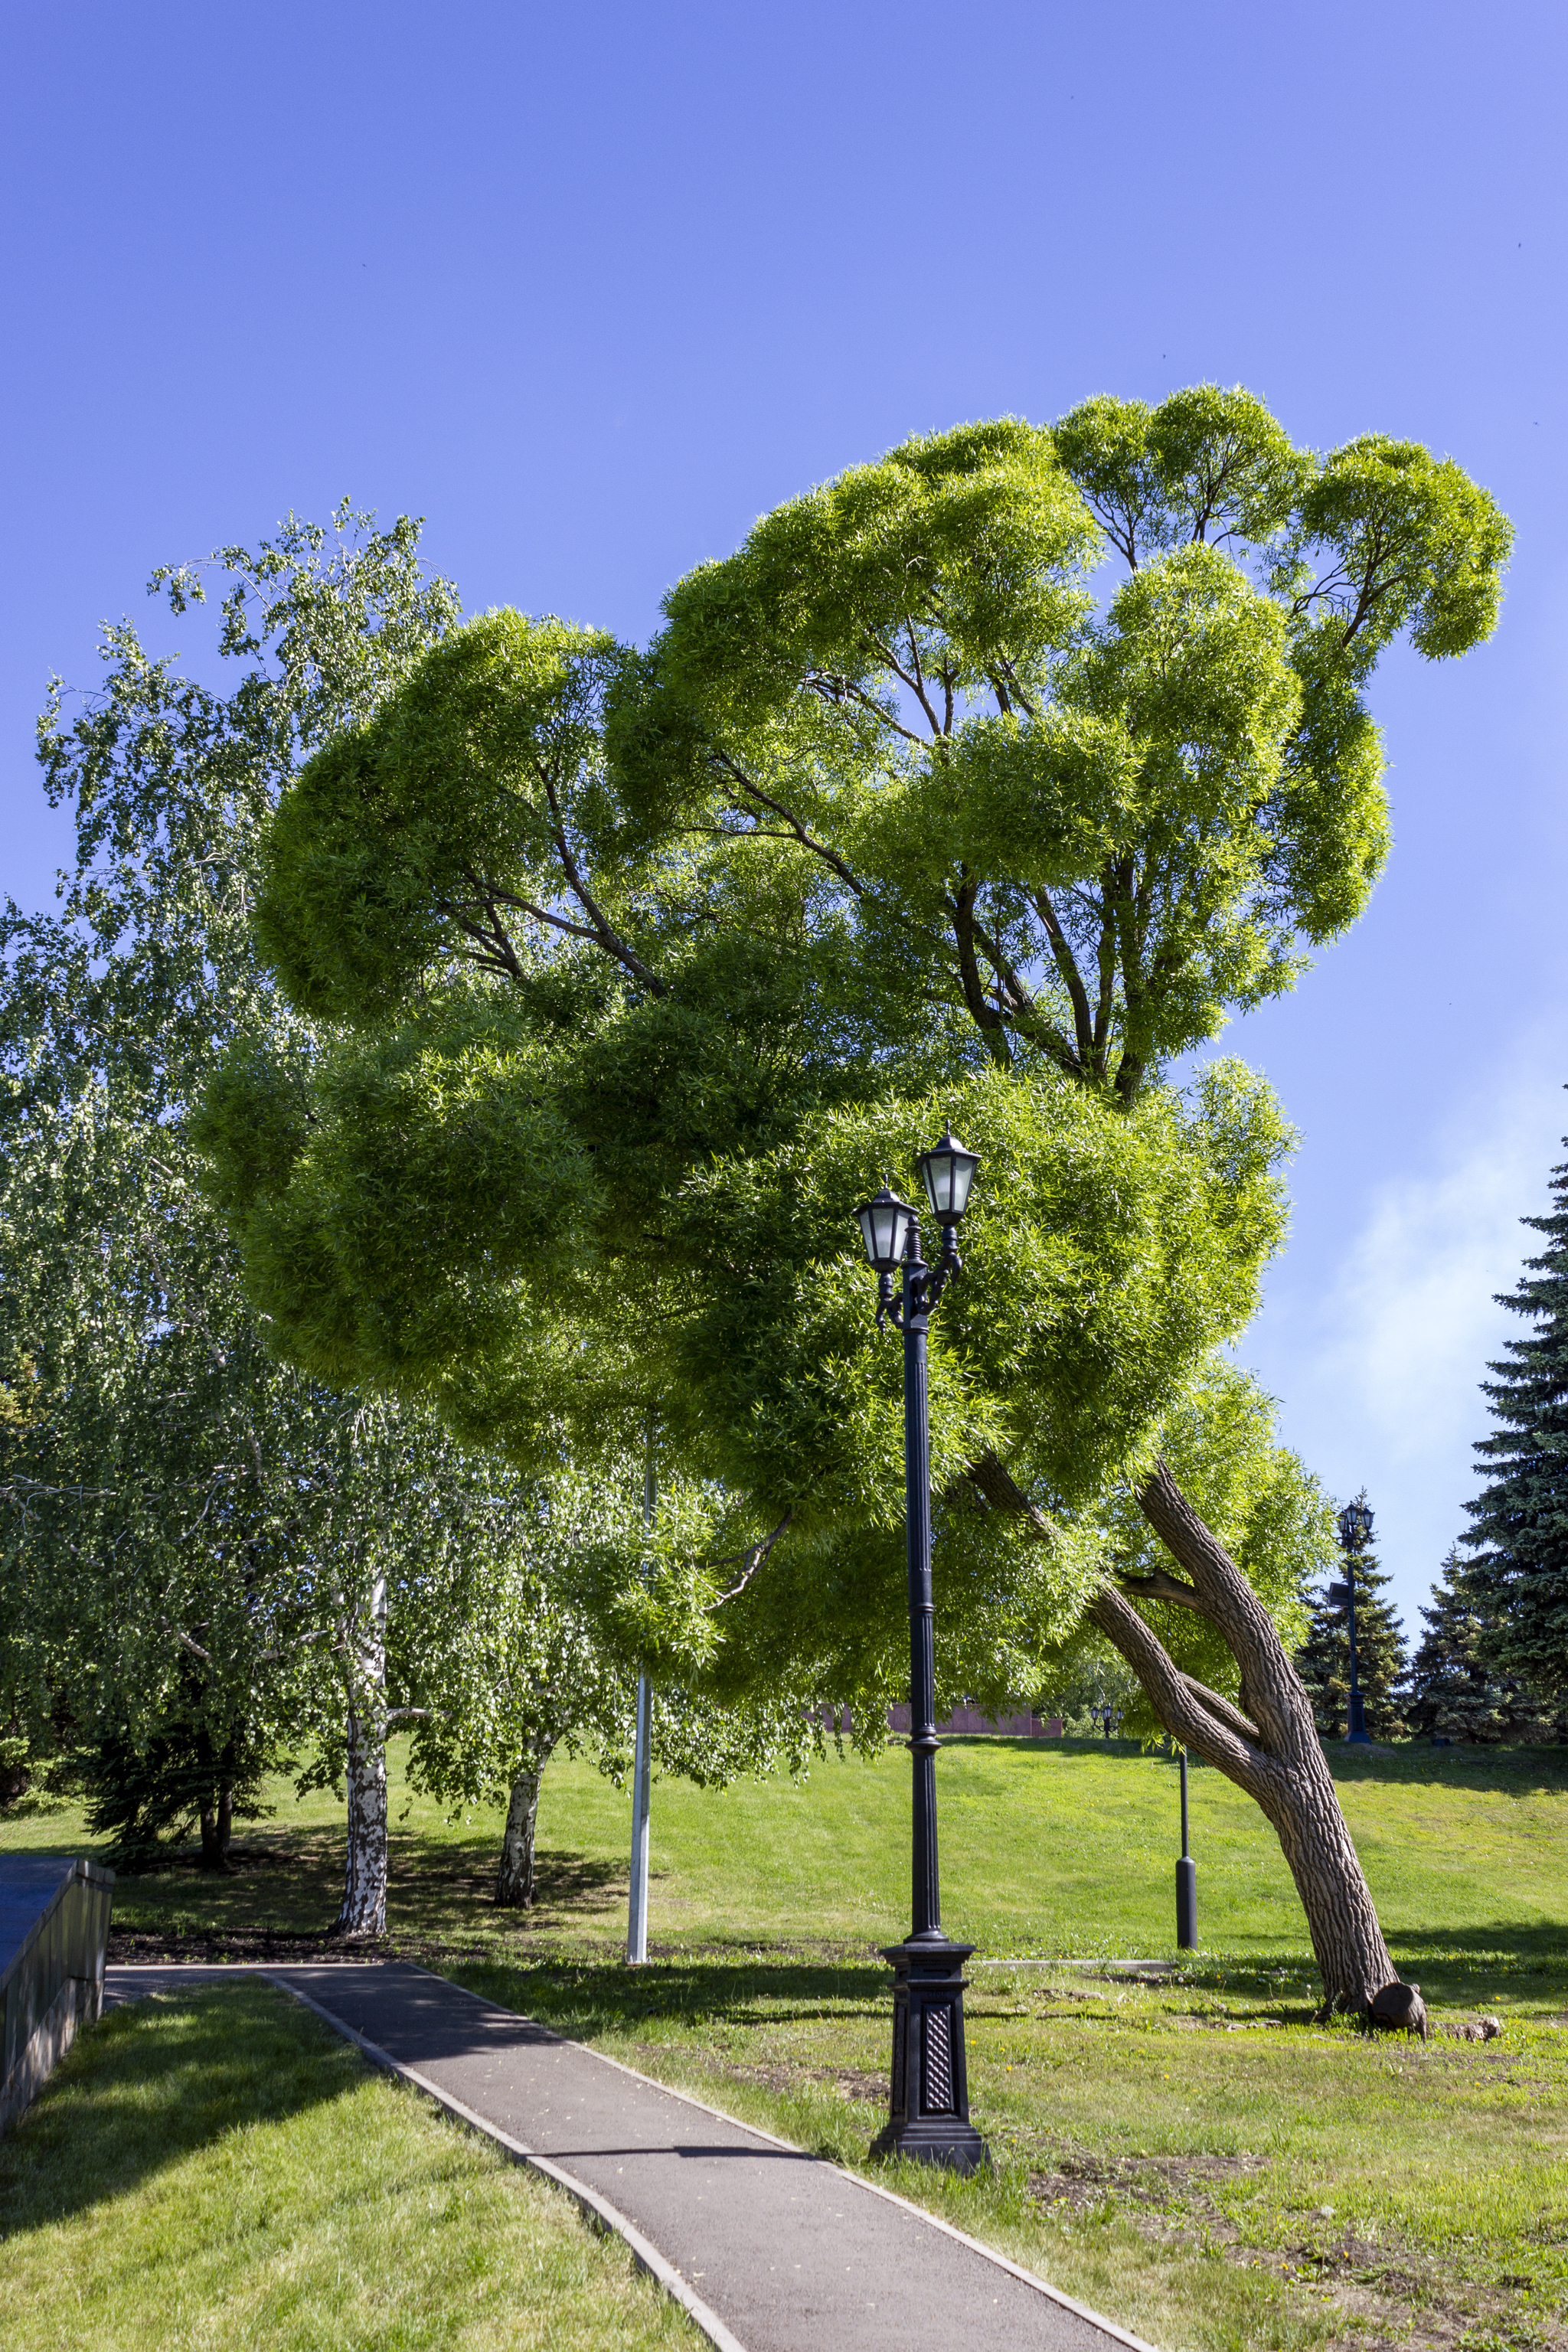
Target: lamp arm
x,y
947,1266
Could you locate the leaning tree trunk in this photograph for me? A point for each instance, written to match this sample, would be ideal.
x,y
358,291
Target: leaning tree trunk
x,y
514,1879
1268,1746
364,1911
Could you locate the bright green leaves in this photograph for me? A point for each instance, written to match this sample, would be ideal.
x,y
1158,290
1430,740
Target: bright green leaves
x,y
1195,665
459,819
1106,832
432,1178
1416,546
1105,1254
1207,465
950,564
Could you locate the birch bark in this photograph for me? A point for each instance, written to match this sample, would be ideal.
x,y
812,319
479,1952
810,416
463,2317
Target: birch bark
x,y
514,1879
363,1910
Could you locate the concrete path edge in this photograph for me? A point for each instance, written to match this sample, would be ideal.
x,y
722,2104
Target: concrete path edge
x,y
599,2208
646,2255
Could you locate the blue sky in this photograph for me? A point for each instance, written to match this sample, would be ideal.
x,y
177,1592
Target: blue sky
x,y
591,289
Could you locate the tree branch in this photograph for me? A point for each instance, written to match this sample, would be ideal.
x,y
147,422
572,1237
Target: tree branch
x,y
753,1559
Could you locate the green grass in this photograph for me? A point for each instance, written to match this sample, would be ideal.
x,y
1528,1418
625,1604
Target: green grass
x,y
218,2169
1170,2170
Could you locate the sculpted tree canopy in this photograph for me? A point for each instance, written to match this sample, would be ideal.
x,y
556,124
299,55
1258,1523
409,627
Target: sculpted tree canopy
x,y
650,965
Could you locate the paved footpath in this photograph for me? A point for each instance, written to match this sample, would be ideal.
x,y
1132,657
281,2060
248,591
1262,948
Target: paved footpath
x,y
770,2249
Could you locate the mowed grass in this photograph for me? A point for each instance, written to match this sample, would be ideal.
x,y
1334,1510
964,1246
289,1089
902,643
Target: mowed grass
x,y
1049,1849
1192,2155
219,2170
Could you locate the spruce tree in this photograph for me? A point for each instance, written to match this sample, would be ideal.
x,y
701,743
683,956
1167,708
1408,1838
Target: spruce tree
x,y
1519,1523
1323,1660
1456,1691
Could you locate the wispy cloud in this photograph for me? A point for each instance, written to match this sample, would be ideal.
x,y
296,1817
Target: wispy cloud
x,y
1378,1373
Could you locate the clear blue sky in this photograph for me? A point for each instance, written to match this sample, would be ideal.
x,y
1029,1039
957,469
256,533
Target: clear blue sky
x,y
591,288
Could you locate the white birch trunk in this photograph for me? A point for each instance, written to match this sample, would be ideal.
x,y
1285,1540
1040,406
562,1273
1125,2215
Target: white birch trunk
x,y
514,1879
364,1911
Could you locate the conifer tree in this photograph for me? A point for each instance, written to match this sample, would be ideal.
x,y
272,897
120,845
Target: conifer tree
x,y
1323,1660
1519,1522
1455,1690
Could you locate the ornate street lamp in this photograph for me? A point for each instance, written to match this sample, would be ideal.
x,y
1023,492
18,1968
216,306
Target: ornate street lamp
x,y
1355,1534
929,2097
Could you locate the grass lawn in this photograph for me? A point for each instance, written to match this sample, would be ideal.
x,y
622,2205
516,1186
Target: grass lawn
x,y
219,2170
1193,2157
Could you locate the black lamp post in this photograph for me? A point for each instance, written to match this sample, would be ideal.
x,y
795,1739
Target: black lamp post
x,y
1355,1533
929,2097
1186,1881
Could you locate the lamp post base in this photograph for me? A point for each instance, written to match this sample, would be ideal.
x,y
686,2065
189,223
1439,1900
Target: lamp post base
x,y
929,2098
1356,1734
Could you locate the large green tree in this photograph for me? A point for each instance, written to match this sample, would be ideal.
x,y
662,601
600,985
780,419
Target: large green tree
x,y
1457,1691
1519,1523
649,966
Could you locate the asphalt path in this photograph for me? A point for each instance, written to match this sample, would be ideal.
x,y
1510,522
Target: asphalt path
x,y
770,2249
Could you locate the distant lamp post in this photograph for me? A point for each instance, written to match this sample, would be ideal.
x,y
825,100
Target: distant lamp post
x,y
1186,1881
929,2095
1355,1534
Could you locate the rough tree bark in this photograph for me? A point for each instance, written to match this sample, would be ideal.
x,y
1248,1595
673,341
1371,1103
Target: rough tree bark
x,y
1268,1746
364,1910
514,1879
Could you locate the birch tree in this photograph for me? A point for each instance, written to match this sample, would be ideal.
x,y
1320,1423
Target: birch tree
x,y
176,1501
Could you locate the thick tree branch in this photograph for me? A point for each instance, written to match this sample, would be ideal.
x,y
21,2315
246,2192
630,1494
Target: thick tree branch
x,y
1269,1682
1173,1696
807,839
1158,1586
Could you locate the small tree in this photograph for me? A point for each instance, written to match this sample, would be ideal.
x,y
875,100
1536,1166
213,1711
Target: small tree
x,y
145,1793
1455,1690
1519,1577
1323,1660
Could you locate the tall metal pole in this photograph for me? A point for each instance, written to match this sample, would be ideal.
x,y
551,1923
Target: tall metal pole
x,y
925,1893
929,2092
1186,1881
1355,1727
637,1909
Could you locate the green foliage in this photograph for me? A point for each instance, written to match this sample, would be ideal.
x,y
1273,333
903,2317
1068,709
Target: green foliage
x,y
1455,1692
1107,829
647,967
457,799
1519,1522
142,1795
192,1530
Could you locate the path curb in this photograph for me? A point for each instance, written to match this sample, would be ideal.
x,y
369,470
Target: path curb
x,y
598,2208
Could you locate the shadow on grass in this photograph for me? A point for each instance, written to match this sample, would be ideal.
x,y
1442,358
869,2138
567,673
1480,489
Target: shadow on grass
x,y
1497,1771
585,1997
286,1889
1492,1963
156,2080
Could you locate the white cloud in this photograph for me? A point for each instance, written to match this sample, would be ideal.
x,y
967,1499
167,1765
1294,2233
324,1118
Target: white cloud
x,y
1378,1372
